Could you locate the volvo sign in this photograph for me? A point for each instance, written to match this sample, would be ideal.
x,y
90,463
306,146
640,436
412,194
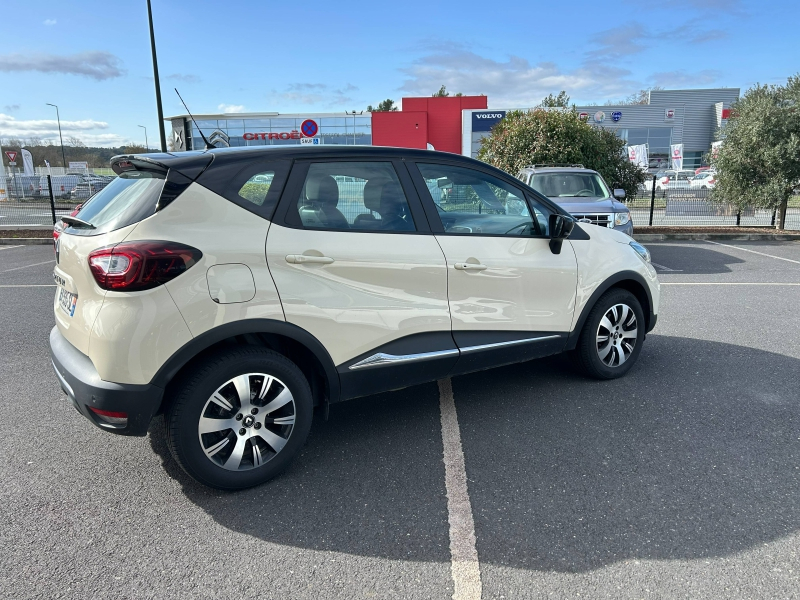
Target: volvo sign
x,y
485,120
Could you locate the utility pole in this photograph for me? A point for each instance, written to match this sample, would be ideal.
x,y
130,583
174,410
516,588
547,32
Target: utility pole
x,y
155,76
63,157
146,143
354,113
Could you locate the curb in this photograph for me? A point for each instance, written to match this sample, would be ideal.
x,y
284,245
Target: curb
x,y
26,241
663,237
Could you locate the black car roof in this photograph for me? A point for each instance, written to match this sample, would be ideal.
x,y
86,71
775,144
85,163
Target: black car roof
x,y
190,161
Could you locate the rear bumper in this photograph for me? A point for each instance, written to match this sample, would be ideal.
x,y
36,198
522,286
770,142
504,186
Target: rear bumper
x,y
81,383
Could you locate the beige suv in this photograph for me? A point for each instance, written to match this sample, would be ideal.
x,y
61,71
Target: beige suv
x,y
235,290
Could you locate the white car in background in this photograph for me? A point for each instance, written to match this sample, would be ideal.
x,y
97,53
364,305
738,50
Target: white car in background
x,y
670,180
704,181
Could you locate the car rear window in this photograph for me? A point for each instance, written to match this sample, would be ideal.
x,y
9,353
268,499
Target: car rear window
x,y
126,200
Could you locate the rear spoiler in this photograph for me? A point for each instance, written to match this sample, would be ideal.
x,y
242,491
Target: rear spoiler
x,y
162,163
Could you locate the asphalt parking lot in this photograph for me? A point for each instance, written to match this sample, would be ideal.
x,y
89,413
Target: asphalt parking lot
x,y
681,480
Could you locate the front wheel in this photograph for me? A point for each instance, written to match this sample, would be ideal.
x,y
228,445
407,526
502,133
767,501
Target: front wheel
x,y
239,418
612,335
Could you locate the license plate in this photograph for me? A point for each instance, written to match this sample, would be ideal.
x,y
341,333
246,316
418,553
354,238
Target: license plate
x,y
67,301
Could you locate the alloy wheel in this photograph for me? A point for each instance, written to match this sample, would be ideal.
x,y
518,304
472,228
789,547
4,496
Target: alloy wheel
x,y
616,335
247,421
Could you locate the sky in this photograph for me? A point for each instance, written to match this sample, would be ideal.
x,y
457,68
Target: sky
x,y
93,59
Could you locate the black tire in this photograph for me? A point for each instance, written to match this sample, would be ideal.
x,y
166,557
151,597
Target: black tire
x,y
193,400
589,350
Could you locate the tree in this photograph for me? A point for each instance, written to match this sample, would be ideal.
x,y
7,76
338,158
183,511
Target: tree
x,y
387,105
758,164
443,93
551,101
555,136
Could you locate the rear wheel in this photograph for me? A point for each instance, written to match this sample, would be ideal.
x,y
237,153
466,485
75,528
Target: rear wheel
x,y
239,418
612,335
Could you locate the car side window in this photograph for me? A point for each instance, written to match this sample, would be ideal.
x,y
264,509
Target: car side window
x,y
472,202
256,188
357,196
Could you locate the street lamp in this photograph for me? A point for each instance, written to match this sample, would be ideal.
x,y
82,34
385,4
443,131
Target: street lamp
x,y
58,117
155,76
146,143
354,113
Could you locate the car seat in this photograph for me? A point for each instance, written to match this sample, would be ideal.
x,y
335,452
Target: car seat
x,y
319,207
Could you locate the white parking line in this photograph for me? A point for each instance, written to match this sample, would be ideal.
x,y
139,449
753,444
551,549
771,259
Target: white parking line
x,y
10,247
797,262
16,285
464,567
27,266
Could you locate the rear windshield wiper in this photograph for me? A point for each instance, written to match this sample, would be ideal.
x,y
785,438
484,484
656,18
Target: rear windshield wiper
x,y
76,222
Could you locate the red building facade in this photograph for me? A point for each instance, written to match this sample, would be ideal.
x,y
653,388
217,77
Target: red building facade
x,y
428,120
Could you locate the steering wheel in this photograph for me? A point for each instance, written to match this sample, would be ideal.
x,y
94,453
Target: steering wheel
x,y
581,194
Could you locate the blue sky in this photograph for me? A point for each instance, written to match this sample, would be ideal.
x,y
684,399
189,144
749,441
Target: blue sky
x,y
93,58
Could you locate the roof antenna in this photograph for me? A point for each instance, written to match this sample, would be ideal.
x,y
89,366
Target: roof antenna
x,y
208,146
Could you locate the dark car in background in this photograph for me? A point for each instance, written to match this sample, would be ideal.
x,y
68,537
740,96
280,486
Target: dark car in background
x,y
583,192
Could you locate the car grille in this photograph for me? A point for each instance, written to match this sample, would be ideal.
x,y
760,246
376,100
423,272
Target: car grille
x,y
602,219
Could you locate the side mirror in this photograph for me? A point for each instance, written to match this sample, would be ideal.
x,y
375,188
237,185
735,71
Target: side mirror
x,y
560,228
619,193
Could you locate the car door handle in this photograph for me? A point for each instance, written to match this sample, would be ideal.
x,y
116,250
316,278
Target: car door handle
x,y
298,259
470,267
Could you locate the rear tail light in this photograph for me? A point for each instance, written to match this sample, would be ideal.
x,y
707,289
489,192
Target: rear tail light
x,y
665,180
76,210
137,266
110,417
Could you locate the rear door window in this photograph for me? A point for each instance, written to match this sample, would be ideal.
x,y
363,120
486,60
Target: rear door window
x,y
354,195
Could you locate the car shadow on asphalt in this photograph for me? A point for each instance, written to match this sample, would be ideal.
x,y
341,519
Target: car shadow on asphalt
x,y
370,481
692,455
691,259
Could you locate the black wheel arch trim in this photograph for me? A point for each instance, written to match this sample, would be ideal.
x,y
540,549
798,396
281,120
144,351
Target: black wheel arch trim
x,y
614,281
209,338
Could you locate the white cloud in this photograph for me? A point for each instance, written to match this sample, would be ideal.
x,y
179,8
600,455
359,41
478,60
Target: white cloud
x,y
95,64
320,94
512,82
230,108
634,38
46,128
49,22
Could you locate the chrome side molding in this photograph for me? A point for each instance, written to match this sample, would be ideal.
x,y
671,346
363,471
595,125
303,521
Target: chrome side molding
x,y
383,359
511,343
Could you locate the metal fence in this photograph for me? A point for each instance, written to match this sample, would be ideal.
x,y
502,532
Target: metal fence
x,y
688,206
38,200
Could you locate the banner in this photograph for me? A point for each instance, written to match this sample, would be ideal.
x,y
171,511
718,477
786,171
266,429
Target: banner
x,y
638,155
27,161
676,153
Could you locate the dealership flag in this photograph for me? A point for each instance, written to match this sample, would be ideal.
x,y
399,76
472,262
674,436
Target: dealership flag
x,y
27,161
638,155
676,152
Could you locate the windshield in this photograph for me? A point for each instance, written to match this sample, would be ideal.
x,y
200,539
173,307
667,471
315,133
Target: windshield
x,y
127,199
570,185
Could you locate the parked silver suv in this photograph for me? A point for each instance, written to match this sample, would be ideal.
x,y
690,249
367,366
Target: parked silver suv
x,y
235,290
583,192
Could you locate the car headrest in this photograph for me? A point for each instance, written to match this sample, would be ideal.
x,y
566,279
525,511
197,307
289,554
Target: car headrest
x,y
323,189
372,194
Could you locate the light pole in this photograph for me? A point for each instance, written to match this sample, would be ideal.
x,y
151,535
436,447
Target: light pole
x,y
155,76
63,157
354,113
146,143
